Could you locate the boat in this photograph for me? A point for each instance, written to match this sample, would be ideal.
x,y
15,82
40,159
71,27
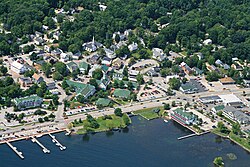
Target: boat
x,y
165,120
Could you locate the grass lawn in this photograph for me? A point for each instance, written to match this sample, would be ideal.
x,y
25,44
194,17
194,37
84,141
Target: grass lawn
x,y
241,141
105,124
122,102
148,113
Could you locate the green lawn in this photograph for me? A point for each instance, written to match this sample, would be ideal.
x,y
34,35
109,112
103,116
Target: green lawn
x,y
148,113
105,124
241,141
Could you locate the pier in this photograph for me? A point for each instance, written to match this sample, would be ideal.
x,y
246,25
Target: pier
x,y
54,140
187,136
34,140
20,154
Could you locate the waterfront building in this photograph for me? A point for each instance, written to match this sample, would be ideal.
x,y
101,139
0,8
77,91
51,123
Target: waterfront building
x,y
236,115
28,102
183,117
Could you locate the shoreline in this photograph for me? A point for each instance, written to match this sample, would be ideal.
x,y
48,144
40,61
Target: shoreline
x,y
232,140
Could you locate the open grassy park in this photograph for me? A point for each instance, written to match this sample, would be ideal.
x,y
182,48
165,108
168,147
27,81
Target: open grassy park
x,y
149,113
105,123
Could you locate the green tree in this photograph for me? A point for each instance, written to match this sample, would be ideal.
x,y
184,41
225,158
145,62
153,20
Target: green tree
x,y
97,74
174,83
64,84
118,112
236,128
140,79
57,76
166,107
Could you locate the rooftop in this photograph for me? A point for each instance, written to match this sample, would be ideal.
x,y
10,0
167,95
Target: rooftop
x,y
227,80
123,93
103,101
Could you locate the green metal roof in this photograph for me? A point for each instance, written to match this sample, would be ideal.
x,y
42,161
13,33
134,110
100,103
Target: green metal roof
x,y
71,64
103,101
27,98
81,88
184,113
123,93
219,108
83,65
105,68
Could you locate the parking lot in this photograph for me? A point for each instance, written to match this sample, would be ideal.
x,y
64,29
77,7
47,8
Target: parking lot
x,y
196,83
151,92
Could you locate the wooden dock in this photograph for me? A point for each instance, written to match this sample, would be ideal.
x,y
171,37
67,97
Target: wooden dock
x,y
54,140
187,136
19,153
45,150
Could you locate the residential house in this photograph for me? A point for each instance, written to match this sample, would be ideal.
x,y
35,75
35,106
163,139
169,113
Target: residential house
x,y
158,54
38,41
77,56
56,52
94,59
72,66
37,78
106,61
102,7
104,82
237,66
183,117
85,90
25,81
51,86
28,102
117,63
132,47
118,76
18,67
152,73
121,36
56,35
207,42
92,46
197,71
246,83
186,68
83,67
109,53
133,74
64,57
200,56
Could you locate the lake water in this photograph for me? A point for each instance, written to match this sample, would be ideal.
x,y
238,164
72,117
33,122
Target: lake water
x,y
144,144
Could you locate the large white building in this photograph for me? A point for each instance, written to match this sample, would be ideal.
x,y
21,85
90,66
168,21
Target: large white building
x,y
18,67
